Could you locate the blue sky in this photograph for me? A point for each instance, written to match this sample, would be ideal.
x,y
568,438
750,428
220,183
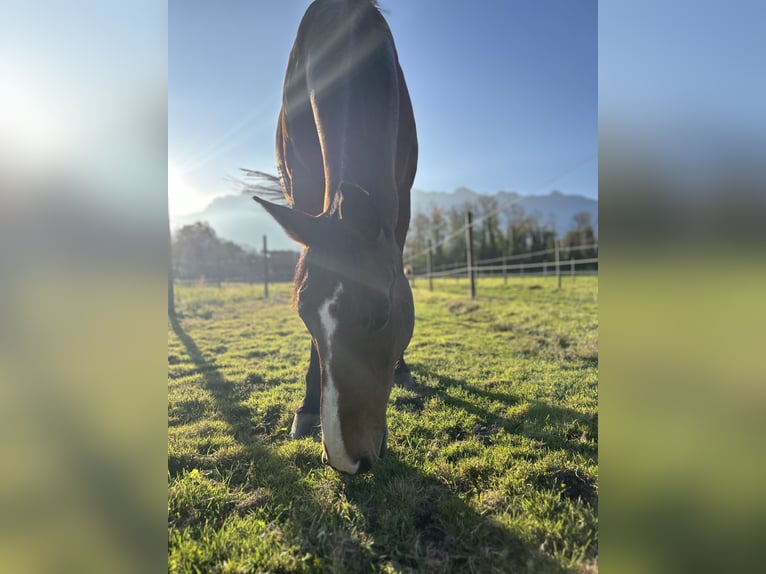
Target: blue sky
x,y
504,93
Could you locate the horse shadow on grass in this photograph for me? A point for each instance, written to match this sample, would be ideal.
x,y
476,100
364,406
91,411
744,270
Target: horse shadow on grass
x,y
280,486
555,426
417,523
405,518
227,398
447,533
550,426
255,467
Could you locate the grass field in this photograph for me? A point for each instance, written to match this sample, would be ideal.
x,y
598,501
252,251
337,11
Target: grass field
x,y
493,456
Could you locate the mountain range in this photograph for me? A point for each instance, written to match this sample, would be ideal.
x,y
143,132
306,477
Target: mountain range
x,y
238,218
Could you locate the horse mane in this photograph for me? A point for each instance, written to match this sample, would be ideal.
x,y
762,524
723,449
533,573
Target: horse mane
x,y
260,184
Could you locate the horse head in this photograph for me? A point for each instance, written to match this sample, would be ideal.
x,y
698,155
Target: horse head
x,y
353,296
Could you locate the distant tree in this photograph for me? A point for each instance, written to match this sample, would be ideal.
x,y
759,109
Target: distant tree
x,y
579,242
439,231
543,238
518,236
231,261
490,236
199,254
417,241
282,265
454,250
499,230
194,251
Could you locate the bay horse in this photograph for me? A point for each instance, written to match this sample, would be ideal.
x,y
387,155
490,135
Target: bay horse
x,y
347,152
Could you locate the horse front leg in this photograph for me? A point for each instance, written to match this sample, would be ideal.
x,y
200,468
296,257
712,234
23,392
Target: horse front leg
x,y
402,375
306,419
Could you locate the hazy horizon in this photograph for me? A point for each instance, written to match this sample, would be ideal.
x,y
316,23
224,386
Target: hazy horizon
x,y
233,193
236,218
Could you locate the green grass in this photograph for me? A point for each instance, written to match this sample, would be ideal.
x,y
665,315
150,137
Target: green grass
x,y
492,460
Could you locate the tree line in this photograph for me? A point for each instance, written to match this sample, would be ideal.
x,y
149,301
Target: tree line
x,y
199,255
498,232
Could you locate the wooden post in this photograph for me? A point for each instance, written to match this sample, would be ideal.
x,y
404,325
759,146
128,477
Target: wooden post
x,y
571,267
505,266
428,267
558,266
265,268
171,289
469,253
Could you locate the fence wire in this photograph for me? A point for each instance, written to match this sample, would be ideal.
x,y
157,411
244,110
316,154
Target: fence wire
x,y
565,266
502,206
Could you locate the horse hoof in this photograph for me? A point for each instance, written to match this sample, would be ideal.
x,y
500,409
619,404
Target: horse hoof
x,y
403,379
304,424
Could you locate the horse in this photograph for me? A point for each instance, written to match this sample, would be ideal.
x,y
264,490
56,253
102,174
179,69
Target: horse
x,y
346,147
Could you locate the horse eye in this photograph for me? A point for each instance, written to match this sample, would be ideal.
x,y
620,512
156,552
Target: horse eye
x,y
378,322
379,317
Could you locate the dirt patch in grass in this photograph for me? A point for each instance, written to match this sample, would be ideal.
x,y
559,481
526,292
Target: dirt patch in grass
x,y
253,380
486,433
306,460
179,463
588,349
346,552
409,404
531,347
256,499
462,307
455,432
573,484
502,327
186,411
267,421
578,486
236,413
435,544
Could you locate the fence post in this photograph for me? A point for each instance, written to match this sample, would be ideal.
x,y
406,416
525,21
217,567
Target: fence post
x,y
505,266
558,266
265,269
428,266
571,267
469,253
171,290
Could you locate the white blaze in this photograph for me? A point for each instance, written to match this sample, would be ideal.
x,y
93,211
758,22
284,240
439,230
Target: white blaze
x,y
331,434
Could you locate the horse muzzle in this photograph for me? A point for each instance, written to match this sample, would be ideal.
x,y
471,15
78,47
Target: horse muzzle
x,y
364,464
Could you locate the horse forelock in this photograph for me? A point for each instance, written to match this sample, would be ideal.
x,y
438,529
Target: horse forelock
x,y
350,266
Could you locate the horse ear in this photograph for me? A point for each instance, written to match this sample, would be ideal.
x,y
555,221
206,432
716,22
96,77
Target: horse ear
x,y
358,210
301,227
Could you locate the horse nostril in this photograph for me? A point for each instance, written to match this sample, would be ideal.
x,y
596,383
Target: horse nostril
x,y
364,465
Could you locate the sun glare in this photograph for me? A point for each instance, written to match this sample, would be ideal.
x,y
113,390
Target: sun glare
x,y
31,127
183,199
